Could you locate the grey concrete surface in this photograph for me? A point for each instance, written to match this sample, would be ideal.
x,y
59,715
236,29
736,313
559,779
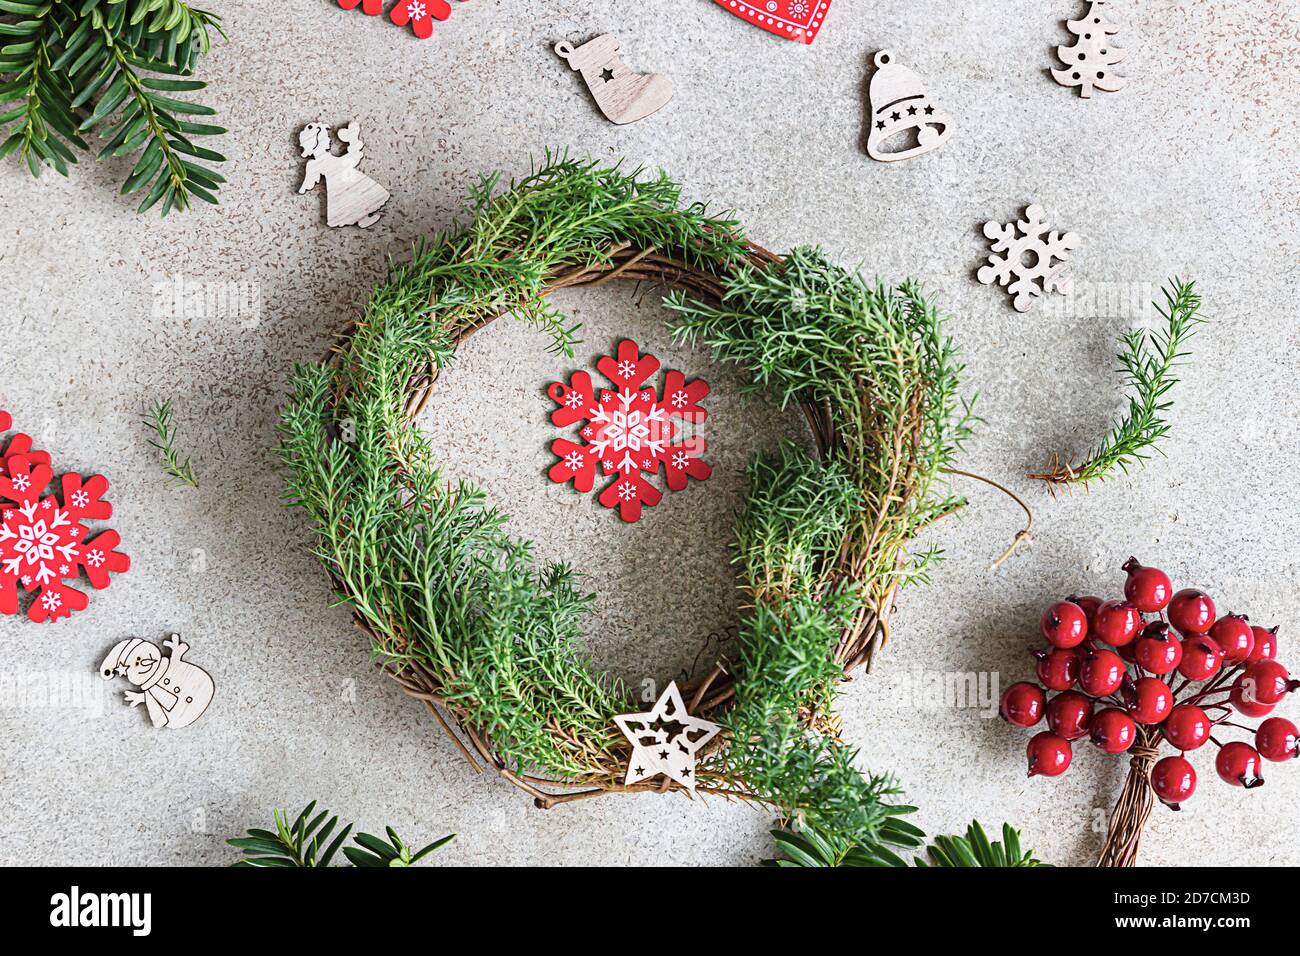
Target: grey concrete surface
x,y
1190,170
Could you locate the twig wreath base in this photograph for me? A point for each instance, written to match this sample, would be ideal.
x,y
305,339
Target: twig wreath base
x,y
457,613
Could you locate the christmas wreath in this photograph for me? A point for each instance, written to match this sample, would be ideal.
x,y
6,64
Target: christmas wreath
x,y
458,612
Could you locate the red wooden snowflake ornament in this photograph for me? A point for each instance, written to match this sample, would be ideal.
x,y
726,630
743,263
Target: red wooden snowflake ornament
x,y
629,432
44,543
793,19
420,14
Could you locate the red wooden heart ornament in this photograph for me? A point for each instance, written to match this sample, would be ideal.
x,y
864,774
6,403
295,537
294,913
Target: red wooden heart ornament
x,y
792,19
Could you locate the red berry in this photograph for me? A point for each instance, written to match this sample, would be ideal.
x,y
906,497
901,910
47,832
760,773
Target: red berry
x,y
1088,604
1232,633
1102,673
1242,697
1269,680
1265,648
1174,780
1157,650
1112,730
1277,739
1023,704
1148,589
1069,714
1064,624
1191,611
1058,669
1149,700
1117,623
1201,658
1049,755
1238,764
1188,727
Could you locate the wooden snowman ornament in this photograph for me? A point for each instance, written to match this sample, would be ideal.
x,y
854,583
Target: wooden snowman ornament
x,y
352,198
904,121
174,692
623,96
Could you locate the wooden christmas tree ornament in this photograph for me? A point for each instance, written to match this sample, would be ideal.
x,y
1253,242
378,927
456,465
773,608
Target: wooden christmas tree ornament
x,y
1029,258
1089,63
352,198
623,96
665,740
793,19
904,121
175,692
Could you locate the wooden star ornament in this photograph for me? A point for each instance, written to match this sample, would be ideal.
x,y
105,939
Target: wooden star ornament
x,y
665,740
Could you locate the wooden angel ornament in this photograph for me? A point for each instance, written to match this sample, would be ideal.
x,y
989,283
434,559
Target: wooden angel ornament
x,y
174,692
623,96
352,198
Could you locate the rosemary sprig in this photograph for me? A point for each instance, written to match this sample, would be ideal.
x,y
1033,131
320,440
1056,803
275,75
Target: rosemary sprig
x,y
1147,360
160,420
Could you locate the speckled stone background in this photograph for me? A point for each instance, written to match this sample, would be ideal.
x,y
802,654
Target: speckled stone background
x,y
1190,170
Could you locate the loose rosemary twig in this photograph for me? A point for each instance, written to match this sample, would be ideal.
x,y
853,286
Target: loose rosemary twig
x,y
1147,361
1024,536
160,421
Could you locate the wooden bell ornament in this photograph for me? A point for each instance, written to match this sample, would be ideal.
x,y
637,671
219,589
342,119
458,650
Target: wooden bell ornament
x,y
623,96
905,122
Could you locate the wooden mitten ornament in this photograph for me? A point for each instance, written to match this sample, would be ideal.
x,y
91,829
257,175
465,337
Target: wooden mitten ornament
x,y
352,198
623,96
793,19
175,693
1089,63
904,121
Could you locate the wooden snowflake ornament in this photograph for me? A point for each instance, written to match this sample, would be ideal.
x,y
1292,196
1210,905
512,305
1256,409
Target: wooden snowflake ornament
x,y
665,740
175,693
44,542
1090,61
420,14
793,19
1029,258
629,432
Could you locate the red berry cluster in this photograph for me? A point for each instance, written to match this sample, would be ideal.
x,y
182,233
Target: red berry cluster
x,y
1161,660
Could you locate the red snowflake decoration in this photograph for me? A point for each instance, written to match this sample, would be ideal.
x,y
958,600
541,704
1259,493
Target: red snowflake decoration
x,y
420,14
629,432
44,543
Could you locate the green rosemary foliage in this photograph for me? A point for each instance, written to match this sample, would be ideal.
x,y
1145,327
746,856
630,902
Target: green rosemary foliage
x,y
1147,360
808,847
430,569
306,843
160,421
876,353
71,67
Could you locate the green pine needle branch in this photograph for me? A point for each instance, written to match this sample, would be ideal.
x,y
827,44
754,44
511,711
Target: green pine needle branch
x,y
160,421
1148,359
306,842
808,846
69,68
